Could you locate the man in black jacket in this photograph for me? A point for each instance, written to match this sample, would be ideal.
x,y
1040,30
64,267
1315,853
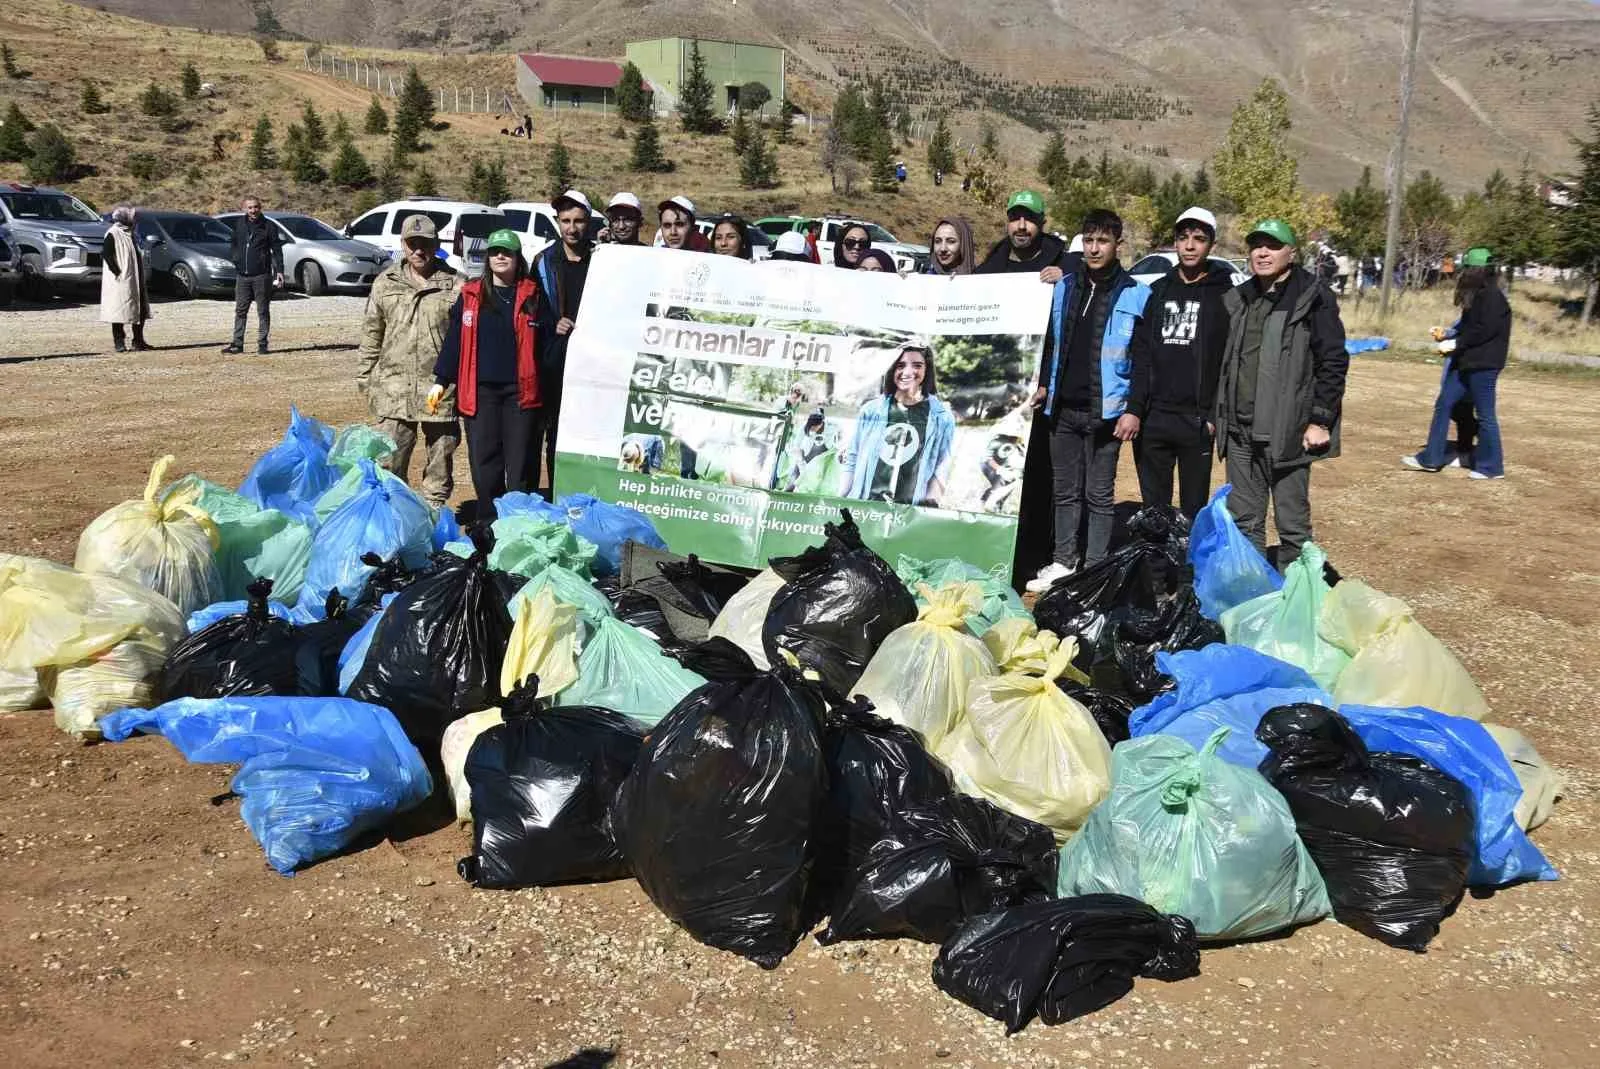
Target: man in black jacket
x,y
1179,342
562,269
1281,389
1026,247
257,256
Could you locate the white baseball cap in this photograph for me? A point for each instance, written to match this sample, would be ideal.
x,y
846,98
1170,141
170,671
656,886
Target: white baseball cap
x,y
1197,215
625,200
569,198
680,202
791,242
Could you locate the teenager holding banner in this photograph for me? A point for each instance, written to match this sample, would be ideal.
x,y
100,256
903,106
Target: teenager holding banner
x,y
903,439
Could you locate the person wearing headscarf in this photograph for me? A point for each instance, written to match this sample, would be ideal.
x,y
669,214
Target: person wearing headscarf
x,y
952,249
124,295
877,260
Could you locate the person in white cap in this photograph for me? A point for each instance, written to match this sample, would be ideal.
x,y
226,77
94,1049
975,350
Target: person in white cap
x,y
676,215
562,269
1180,343
624,214
790,247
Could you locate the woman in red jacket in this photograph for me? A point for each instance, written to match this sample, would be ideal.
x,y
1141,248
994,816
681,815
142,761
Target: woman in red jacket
x,y
488,356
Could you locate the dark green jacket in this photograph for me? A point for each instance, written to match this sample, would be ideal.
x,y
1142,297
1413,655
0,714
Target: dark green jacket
x,y
1312,363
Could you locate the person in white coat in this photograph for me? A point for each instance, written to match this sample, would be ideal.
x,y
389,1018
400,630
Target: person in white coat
x,y
124,295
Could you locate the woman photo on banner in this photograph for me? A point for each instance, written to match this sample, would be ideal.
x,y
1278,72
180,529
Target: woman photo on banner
x,y
902,447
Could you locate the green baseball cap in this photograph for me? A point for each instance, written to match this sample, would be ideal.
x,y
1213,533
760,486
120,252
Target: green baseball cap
x,y
504,239
1028,200
1276,229
1477,256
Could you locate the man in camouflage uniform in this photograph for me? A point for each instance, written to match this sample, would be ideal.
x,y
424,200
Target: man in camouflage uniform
x,y
405,323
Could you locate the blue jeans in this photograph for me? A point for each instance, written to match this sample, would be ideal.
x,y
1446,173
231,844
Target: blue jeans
x,y
1479,385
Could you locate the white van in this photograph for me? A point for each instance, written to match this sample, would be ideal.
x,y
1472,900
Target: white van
x,y
464,228
535,224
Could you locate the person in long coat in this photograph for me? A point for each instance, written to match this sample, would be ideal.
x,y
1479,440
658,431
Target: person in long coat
x,y
124,293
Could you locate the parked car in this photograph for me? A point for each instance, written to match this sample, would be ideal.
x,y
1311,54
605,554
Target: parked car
x,y
760,243
1157,263
188,253
317,258
55,239
535,224
464,228
908,259
9,272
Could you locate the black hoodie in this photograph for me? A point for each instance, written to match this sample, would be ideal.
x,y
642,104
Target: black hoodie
x,y
1178,344
1050,252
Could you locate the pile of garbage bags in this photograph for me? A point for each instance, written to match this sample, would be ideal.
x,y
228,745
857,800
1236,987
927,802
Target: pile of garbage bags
x,y
1177,747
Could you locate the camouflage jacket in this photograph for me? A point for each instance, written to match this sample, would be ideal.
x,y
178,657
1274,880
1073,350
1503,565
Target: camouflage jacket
x,y
400,338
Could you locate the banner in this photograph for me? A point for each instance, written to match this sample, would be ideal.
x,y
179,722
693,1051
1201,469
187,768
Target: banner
x,y
741,405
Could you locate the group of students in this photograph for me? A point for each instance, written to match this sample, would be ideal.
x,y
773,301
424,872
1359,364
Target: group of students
x,y
1183,369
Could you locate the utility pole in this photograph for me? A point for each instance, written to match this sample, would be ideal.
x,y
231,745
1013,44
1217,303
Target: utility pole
x,y
1397,158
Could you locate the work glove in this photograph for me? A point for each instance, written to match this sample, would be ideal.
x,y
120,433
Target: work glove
x,y
435,395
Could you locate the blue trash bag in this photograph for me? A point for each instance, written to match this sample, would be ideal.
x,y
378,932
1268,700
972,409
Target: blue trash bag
x,y
1224,686
446,528
317,772
291,475
608,526
518,503
1357,346
1461,748
385,518
201,619
1228,570
354,654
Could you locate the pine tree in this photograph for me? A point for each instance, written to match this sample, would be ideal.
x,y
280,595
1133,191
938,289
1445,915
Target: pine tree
x,y
785,132
298,159
14,135
496,190
1201,184
1054,167
263,157
633,103
883,177
902,125
50,155
350,169
191,82
413,113
1362,214
8,62
90,102
990,146
647,155
559,169
739,132
1578,229
941,150
377,121
423,184
477,182
758,168
316,133
694,97
340,135
156,101
392,180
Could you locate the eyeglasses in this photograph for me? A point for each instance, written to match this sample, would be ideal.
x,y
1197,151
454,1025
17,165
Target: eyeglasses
x,y
856,243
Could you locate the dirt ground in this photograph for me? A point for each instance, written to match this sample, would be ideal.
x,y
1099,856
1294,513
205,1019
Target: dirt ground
x,y
140,925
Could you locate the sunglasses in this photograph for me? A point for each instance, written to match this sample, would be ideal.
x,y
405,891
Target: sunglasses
x,y
856,243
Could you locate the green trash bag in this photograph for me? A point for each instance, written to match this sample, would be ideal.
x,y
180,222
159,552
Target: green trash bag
x,y
999,600
253,542
621,668
350,484
1192,834
1283,623
569,588
527,545
359,442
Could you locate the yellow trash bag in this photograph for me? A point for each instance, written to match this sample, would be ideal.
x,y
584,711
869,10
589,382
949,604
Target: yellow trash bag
x,y
1395,662
170,547
95,642
20,690
1017,645
1542,786
459,736
544,643
1028,748
920,675
742,617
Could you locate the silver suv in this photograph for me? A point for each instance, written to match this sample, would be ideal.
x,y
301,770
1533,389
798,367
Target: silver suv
x,y
55,239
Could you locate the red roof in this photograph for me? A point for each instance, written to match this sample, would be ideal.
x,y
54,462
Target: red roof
x,y
569,70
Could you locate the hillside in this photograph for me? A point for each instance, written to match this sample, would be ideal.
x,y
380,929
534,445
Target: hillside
x,y
1502,80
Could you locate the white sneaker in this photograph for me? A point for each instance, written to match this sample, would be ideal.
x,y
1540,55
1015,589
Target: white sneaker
x,y
1049,576
1410,461
1455,461
1481,475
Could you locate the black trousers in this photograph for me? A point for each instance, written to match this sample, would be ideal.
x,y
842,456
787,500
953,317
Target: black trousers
x,y
1083,472
501,444
248,289
119,336
1168,441
544,435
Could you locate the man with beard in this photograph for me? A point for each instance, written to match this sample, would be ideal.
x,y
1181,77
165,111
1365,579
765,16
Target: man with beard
x,y
1026,247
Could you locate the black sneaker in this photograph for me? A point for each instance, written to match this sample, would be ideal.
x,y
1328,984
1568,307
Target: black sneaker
x,y
232,350
262,350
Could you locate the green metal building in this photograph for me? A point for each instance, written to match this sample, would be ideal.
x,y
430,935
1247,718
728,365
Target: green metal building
x,y
729,64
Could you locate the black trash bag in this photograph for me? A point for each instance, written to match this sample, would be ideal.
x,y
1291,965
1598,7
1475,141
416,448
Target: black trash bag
x,y
1063,959
941,865
317,646
687,592
640,610
838,603
1110,711
1391,834
1138,575
1139,634
720,816
249,654
389,577
543,784
437,652
1161,525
